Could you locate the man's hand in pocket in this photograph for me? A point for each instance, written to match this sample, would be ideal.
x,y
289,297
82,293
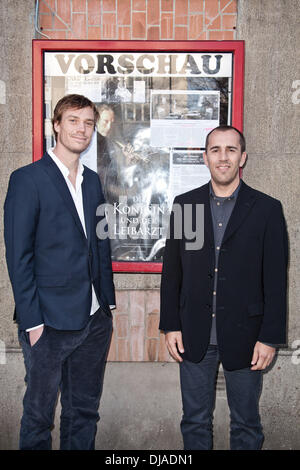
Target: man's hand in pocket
x,y
34,335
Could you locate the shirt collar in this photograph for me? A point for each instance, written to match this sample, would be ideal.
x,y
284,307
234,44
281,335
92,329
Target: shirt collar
x,y
232,196
62,166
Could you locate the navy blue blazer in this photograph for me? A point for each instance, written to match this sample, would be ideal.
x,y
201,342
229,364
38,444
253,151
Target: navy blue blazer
x,y
252,279
51,263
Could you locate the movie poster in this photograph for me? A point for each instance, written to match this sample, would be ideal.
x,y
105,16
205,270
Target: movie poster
x,y
155,112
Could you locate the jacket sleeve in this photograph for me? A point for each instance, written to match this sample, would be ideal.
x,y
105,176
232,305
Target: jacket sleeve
x,y
21,213
171,278
106,274
275,261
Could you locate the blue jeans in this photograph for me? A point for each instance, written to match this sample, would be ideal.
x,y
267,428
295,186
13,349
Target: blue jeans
x,y
198,389
74,362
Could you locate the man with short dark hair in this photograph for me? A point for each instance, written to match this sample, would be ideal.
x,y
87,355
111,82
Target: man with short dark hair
x,y
225,302
62,282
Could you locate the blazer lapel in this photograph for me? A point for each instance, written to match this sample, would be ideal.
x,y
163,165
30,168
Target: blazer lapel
x,y
204,198
245,200
59,181
86,207
208,225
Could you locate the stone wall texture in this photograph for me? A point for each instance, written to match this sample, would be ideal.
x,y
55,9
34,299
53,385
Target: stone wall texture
x,y
141,405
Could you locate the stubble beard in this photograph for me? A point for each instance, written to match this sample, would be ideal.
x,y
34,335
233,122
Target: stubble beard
x,y
226,181
73,148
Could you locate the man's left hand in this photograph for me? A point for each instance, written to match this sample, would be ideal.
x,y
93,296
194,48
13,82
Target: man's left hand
x,y
262,356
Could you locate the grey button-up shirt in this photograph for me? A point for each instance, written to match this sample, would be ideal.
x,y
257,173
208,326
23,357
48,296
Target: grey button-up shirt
x,y
221,209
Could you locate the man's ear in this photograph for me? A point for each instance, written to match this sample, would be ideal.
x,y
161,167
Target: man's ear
x,y
56,126
243,159
205,158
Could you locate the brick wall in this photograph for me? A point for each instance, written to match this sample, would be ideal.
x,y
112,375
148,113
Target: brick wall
x,y
138,19
136,336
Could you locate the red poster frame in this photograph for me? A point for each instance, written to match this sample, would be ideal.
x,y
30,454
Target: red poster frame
x,y
39,46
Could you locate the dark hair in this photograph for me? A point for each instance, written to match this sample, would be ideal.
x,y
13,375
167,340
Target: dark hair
x,y
104,107
224,128
72,101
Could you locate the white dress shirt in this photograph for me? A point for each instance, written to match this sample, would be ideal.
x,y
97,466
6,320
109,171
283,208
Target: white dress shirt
x,y
76,194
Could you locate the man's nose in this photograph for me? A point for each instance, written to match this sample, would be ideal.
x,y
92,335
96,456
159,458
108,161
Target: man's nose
x,y
223,155
81,126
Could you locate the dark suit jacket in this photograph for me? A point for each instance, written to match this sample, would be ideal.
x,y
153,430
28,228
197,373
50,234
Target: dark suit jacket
x,y
50,261
252,276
